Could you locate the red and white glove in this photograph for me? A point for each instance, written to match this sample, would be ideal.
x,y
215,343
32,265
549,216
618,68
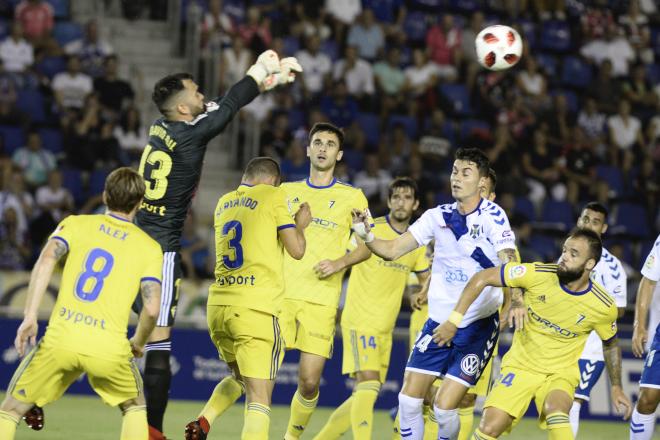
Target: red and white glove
x,y
266,66
288,68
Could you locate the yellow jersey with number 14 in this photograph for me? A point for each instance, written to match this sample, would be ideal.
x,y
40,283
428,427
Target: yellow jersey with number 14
x,y
249,255
559,320
376,286
327,238
108,258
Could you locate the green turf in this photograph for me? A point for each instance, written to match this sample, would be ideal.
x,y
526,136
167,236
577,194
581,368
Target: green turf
x,y
87,418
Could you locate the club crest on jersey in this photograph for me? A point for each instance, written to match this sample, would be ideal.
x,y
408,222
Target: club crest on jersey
x,y
517,272
540,298
650,261
470,364
474,232
580,318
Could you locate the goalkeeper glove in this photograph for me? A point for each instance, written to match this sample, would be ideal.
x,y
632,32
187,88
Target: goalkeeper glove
x,y
263,70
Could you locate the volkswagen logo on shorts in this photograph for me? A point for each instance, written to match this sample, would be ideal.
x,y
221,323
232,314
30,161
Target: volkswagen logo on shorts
x,y
470,364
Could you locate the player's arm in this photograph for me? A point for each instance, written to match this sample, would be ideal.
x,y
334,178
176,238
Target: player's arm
x,y
612,356
640,332
326,268
55,249
419,298
150,291
386,249
513,308
293,238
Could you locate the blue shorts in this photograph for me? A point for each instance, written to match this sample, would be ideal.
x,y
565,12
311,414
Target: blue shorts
x,y
590,372
464,360
651,373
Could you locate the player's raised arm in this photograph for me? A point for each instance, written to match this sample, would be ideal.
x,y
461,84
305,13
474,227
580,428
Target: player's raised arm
x,y
293,239
40,277
513,308
150,291
640,332
386,249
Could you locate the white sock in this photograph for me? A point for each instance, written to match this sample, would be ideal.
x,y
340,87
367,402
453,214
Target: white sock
x,y
641,426
448,423
574,417
411,418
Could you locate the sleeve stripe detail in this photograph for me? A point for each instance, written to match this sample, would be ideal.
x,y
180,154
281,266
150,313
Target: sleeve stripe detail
x,y
142,280
608,302
422,271
290,225
611,339
62,240
502,275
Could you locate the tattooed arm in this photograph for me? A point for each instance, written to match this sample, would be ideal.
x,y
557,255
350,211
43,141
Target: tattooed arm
x,y
39,279
612,355
513,297
150,291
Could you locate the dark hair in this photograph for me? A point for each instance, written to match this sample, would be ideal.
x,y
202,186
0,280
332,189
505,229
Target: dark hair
x,y
326,126
492,176
597,207
124,189
593,240
262,166
168,87
476,156
403,182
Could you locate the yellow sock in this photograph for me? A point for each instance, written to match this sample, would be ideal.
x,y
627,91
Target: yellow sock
x,y
466,415
430,424
559,426
224,395
134,424
478,435
301,411
338,423
8,423
257,422
362,412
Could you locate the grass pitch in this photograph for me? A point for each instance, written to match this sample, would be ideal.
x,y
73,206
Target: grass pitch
x,y
87,418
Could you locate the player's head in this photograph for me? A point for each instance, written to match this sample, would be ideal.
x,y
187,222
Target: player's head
x,y
124,190
403,199
264,170
580,254
487,191
325,146
177,97
594,218
469,173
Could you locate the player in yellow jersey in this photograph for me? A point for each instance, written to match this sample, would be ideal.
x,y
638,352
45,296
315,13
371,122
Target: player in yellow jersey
x,y
313,284
373,300
108,260
562,307
252,224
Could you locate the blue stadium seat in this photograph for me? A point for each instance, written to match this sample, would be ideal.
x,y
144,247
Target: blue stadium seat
x,y
296,119
555,36
527,30
557,215
525,207
31,102
67,31
470,127
97,182
631,220
370,126
545,246
60,8
291,45
51,140
72,180
653,73
415,26
409,124
458,97
13,137
4,28
547,63
51,66
575,72
655,39
613,177
465,5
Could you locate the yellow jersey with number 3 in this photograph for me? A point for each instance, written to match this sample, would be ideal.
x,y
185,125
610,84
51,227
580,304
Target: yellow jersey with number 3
x,y
249,255
559,320
108,257
327,238
376,286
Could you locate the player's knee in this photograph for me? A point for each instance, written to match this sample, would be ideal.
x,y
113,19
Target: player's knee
x,y
490,428
132,403
409,406
467,401
648,401
308,387
15,407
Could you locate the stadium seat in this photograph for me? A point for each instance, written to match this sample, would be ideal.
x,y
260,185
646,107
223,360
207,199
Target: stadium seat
x,y
60,8
631,220
51,66
4,28
555,36
409,124
613,177
67,31
547,63
544,246
557,215
458,98
31,102
575,72
471,127
291,45
465,5
415,26
525,207
371,127
655,40
97,182
72,180
527,29
51,140
653,73
13,137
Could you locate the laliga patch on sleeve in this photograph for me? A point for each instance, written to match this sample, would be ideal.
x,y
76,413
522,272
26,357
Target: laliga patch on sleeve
x,y
614,326
650,262
517,272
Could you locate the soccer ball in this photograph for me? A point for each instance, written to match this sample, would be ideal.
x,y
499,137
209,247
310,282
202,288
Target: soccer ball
x,y
498,47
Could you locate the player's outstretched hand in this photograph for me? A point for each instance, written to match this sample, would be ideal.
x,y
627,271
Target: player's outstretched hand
x,y
639,339
26,335
622,404
326,268
304,216
417,300
264,69
517,317
361,225
137,349
444,333
288,68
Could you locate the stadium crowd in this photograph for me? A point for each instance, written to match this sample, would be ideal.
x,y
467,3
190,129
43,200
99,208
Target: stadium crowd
x,y
577,120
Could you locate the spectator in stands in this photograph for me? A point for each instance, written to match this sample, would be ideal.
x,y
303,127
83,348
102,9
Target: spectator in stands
x,y
646,186
592,123
340,107
435,141
217,26
626,137
131,135
114,93
277,137
234,62
358,74
91,50
18,198
579,169
72,86
638,90
294,165
421,82
605,89
390,81
635,25
492,89
16,53
54,203
545,8
374,181
317,68
367,36
533,85
355,145
255,32
541,167
653,133
311,20
9,113
195,252
559,119
613,47
443,41
38,19
523,230
594,21
427,181
516,117
35,162
469,54
343,14
14,249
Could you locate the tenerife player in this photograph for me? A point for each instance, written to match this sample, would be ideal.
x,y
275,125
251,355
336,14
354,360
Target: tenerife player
x,y
642,424
373,300
313,284
470,235
609,274
171,165
108,259
563,306
252,223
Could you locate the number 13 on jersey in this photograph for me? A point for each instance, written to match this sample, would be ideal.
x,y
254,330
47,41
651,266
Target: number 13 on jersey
x,y
156,178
